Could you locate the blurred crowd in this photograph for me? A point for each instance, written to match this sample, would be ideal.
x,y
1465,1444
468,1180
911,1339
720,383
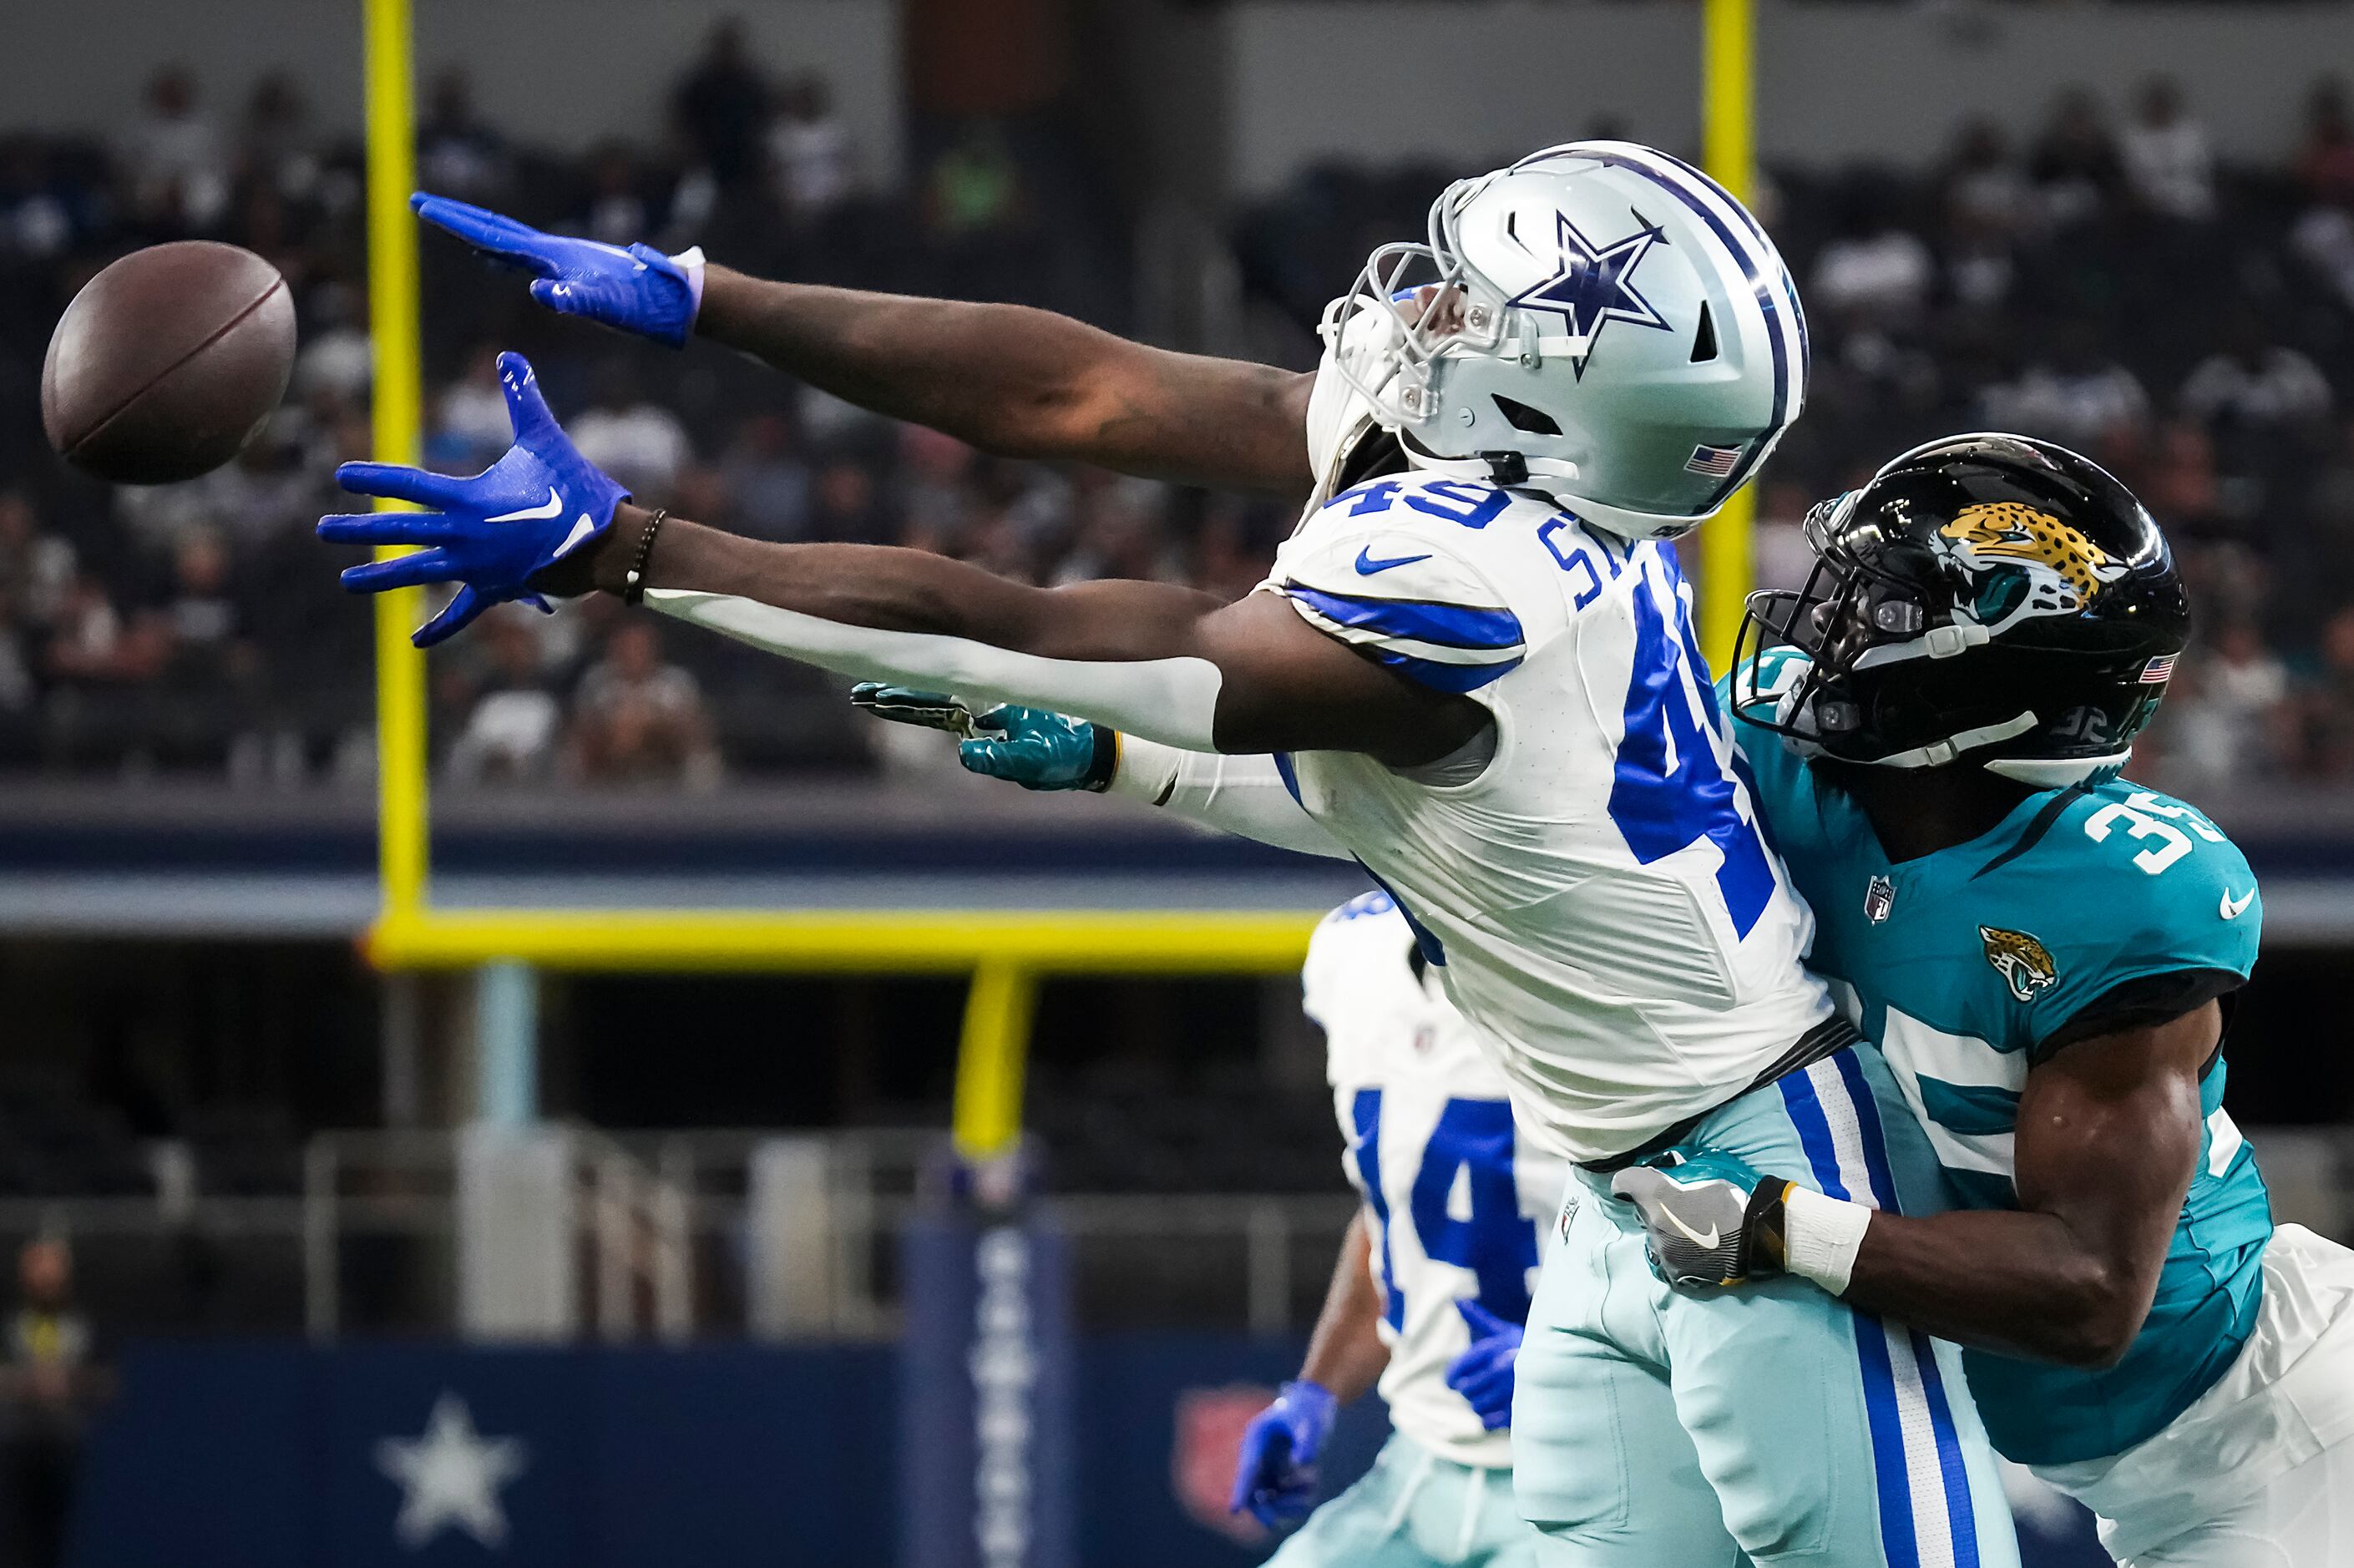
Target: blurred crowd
x,y
2102,281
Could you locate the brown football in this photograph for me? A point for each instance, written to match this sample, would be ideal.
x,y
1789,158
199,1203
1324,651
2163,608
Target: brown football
x,y
167,362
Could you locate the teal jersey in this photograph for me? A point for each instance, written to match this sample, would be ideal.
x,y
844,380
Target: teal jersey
x,y
1963,963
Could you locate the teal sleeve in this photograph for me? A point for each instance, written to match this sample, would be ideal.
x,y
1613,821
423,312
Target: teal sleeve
x,y
1776,774
2120,922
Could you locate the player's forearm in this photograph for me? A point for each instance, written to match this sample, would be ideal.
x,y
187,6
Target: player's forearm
x,y
1022,382
1244,796
1122,654
2018,1282
1345,1353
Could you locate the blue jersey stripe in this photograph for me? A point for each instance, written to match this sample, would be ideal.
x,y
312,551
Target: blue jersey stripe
x,y
1434,952
1423,621
1455,678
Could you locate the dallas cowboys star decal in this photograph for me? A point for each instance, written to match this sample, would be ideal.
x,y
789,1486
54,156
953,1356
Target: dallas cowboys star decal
x,y
1595,284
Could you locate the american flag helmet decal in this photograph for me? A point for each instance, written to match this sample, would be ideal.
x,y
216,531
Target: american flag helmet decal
x,y
2159,670
1716,462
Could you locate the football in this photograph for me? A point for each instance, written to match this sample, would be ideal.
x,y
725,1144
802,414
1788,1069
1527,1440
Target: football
x,y
167,362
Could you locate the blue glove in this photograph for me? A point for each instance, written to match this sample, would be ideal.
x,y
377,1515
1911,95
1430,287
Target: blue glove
x,y
639,290
1482,1374
1275,1478
493,533
1031,747
1711,1219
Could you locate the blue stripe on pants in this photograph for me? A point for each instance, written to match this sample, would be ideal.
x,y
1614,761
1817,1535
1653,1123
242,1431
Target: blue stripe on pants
x,y
1843,1074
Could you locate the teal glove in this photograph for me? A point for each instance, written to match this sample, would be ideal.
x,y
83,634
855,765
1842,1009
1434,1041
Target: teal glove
x,y
1713,1220
1030,746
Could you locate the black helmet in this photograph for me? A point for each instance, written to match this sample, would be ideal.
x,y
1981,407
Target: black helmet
x,y
1985,597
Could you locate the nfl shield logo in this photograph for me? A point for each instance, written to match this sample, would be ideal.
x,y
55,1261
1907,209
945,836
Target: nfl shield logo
x,y
1210,1423
1879,897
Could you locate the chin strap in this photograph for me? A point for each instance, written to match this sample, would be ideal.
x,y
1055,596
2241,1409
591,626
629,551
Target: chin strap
x,y
2059,772
1938,753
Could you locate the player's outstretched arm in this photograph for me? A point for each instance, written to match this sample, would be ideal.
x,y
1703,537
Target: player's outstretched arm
x,y
1150,659
2108,1138
1025,383
1165,662
1275,1470
1009,379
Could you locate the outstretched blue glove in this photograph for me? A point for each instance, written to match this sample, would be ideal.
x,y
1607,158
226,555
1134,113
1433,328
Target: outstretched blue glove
x,y
1030,746
639,290
1482,1374
491,533
1710,1219
1276,1477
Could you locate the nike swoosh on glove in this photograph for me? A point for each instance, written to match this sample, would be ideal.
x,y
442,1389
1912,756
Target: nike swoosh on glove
x,y
1483,1373
1710,1219
639,290
491,534
1274,1474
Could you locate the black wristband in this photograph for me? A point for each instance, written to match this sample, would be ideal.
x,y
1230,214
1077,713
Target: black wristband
x,y
1765,1249
1105,760
634,584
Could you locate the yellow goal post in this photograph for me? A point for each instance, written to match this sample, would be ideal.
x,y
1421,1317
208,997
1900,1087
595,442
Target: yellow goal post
x,y
1005,952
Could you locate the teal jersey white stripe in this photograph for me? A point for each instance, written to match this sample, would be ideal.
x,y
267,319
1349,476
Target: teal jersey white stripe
x,y
1959,964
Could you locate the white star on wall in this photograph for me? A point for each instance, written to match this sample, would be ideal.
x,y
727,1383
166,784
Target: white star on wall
x,y
451,1477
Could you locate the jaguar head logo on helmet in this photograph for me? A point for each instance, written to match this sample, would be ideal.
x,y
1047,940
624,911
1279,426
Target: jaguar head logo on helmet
x,y
2031,563
1599,323
1985,597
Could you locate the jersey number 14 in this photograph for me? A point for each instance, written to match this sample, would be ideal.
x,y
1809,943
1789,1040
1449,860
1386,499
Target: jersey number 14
x,y
1496,1243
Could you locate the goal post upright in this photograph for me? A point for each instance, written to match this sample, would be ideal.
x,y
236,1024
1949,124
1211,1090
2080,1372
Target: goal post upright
x,y
1005,952
395,325
1728,151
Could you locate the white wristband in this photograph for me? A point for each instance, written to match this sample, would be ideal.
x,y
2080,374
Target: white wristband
x,y
690,261
1820,1238
1146,771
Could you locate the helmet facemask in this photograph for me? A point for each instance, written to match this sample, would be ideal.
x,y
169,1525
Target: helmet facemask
x,y
1856,619
1391,360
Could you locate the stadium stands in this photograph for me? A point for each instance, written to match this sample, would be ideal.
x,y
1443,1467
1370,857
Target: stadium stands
x,y
2104,284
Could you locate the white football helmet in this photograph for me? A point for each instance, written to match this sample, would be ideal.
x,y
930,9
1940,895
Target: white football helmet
x,y
1600,322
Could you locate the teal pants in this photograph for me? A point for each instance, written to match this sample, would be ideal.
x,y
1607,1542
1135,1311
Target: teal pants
x,y
1415,1510
1766,1424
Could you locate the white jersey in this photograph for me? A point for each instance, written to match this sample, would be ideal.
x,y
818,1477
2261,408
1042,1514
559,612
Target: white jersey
x,y
1599,899
1458,1207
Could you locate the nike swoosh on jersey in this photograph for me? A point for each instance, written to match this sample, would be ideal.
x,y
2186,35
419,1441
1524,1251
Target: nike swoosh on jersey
x,y
1704,1240
2234,907
548,508
582,528
1367,565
